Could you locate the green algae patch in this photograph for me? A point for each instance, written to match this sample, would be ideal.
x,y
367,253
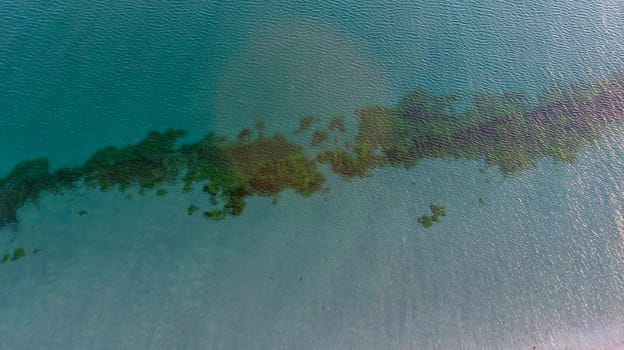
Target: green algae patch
x,y
426,221
192,209
245,134
437,212
294,171
207,162
27,181
216,214
376,139
260,125
305,123
319,137
505,130
18,254
233,170
151,162
228,171
82,212
272,164
345,163
337,124
378,132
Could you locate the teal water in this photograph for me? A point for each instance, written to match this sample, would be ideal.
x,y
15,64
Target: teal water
x,y
77,77
539,265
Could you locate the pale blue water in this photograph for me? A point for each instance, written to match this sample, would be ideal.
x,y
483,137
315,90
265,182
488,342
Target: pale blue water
x,y
541,264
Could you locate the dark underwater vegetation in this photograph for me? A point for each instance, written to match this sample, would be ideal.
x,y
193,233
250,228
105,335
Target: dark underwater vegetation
x,y
509,131
17,254
437,212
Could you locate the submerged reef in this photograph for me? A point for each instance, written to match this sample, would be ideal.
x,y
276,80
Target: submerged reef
x,y
510,131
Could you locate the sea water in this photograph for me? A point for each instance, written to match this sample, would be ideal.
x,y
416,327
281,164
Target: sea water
x,y
538,263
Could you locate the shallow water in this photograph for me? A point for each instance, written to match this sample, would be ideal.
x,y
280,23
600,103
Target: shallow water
x,y
538,263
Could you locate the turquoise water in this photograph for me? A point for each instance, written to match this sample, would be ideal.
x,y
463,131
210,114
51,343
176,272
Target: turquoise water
x,y
539,265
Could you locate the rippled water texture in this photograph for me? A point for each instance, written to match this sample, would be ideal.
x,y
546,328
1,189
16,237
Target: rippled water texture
x,y
526,258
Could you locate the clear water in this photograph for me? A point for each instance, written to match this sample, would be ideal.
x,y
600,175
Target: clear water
x,y
541,264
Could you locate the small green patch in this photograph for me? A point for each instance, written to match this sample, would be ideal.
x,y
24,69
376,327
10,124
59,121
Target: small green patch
x,y
211,188
337,123
426,221
18,254
482,200
192,209
5,258
318,137
37,250
244,134
82,212
161,192
305,123
260,125
216,214
437,212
